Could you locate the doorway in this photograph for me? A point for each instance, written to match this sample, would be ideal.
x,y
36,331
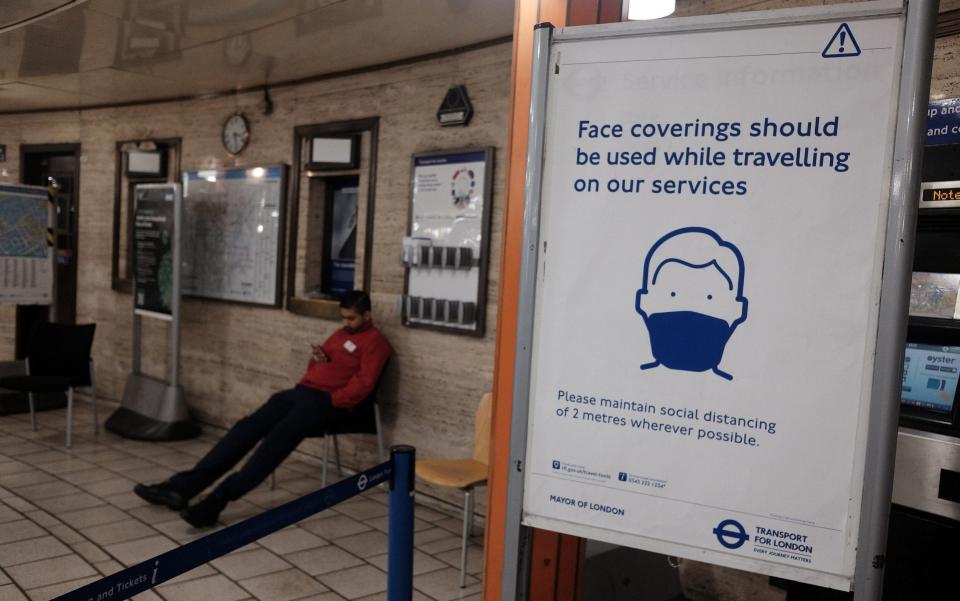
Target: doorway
x,y
57,166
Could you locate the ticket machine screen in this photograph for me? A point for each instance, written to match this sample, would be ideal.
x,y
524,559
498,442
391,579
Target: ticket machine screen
x,y
930,375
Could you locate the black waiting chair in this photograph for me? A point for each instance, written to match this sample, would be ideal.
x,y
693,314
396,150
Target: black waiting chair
x,y
58,360
365,420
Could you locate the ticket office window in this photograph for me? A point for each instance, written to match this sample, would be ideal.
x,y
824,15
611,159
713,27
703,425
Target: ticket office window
x,y
154,161
332,217
331,237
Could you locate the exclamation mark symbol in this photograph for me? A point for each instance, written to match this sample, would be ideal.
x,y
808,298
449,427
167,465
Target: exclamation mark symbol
x,y
843,40
153,580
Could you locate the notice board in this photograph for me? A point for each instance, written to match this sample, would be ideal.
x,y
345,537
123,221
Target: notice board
x,y
446,253
232,233
26,249
153,236
708,274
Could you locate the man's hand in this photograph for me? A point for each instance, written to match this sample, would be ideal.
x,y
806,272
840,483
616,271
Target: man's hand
x,y
318,355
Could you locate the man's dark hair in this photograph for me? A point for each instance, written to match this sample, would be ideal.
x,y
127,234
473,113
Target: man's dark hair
x,y
358,300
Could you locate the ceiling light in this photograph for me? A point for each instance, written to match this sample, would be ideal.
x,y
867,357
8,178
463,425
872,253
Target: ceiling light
x,y
650,9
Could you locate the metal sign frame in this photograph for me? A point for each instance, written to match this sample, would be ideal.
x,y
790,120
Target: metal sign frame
x,y
154,408
919,18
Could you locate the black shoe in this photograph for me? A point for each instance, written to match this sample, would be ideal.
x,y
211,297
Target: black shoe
x,y
205,513
161,494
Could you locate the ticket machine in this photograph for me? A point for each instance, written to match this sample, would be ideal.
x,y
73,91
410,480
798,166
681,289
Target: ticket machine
x,y
923,550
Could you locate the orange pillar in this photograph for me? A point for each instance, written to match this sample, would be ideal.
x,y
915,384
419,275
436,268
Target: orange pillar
x,y
557,559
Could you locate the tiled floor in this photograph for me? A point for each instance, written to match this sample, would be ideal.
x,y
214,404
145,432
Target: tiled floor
x,y
68,517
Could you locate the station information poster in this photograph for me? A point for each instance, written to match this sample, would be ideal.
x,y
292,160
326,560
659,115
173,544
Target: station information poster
x,y
153,235
711,241
232,233
448,197
26,263
444,256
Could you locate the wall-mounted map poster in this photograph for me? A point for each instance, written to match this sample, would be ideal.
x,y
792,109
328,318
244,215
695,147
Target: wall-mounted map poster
x,y
26,264
232,233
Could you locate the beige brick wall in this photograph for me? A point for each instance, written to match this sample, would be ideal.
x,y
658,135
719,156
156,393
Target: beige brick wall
x,y
234,356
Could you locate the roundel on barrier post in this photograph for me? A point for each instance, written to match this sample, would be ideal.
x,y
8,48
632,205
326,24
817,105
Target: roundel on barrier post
x,y
362,482
731,534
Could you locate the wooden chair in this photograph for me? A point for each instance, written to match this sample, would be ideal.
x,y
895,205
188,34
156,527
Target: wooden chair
x,y
464,474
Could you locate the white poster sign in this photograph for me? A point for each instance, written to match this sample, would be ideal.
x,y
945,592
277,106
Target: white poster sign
x,y
713,211
232,233
26,264
444,253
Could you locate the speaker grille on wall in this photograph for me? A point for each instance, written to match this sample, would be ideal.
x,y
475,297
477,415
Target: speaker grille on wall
x,y
456,108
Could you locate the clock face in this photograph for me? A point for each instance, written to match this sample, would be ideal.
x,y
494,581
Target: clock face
x,y
236,49
236,133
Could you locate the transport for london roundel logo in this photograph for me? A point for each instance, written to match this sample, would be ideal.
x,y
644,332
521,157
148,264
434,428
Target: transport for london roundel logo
x,y
731,534
463,186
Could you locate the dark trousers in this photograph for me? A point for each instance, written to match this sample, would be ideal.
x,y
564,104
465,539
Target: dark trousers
x,y
279,425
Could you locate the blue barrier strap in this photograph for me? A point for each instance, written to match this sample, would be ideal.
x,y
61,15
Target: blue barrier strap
x,y
148,574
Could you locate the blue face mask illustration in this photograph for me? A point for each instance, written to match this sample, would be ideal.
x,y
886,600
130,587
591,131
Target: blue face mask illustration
x,y
691,300
687,340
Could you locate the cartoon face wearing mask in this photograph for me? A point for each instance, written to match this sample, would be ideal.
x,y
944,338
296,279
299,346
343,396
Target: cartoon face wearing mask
x,y
692,299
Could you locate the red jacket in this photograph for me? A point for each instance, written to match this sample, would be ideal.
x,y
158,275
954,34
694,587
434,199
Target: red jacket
x,y
354,366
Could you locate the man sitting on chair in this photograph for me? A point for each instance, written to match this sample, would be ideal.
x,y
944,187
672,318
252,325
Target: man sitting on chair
x,y
341,373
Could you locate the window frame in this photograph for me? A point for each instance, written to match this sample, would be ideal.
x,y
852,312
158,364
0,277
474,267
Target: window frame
x,y
123,283
324,308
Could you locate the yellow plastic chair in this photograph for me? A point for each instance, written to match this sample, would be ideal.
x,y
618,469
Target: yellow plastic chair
x,y
464,474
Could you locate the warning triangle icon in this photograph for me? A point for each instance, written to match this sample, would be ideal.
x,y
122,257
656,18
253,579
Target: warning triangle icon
x,y
842,44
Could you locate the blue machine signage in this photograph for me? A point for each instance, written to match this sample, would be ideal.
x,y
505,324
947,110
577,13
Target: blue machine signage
x,y
943,122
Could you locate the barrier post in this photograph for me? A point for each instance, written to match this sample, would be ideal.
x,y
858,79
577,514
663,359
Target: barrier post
x,y
400,534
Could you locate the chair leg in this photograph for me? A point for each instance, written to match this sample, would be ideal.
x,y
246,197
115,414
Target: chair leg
x,y
470,516
93,401
326,456
69,416
336,455
33,411
467,527
376,417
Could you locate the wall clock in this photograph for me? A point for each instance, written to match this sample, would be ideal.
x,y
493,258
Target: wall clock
x,y
236,133
236,49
